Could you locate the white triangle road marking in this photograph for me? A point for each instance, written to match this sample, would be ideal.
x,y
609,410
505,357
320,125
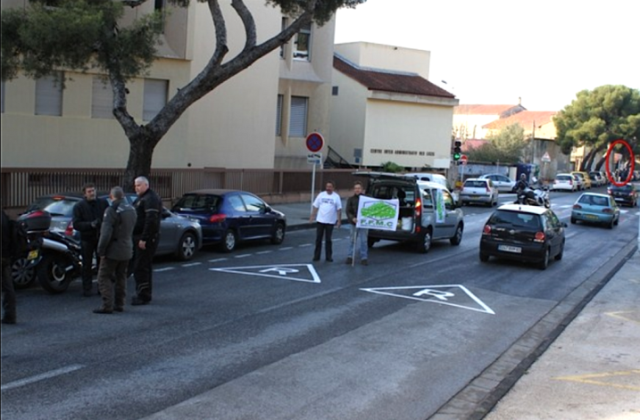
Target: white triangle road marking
x,y
281,271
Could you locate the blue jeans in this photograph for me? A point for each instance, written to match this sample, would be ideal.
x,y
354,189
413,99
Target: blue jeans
x,y
362,242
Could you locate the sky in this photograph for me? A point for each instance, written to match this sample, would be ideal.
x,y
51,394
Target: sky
x,y
496,51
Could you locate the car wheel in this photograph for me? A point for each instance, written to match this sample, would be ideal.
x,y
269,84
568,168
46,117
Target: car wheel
x,y
278,234
187,246
424,245
53,275
616,222
573,221
560,254
545,260
484,257
611,224
229,241
457,238
22,273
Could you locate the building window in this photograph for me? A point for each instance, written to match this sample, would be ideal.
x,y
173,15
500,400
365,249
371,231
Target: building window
x,y
155,97
283,26
335,90
298,118
302,44
101,98
49,95
279,115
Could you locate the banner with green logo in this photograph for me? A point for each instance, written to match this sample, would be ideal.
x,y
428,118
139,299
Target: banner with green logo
x,y
377,214
440,208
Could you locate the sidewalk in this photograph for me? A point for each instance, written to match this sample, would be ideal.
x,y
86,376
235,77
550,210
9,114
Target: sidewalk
x,y
589,371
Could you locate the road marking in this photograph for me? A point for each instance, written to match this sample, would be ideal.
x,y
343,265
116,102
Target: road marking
x,y
218,259
303,245
264,252
157,270
242,256
191,264
286,248
589,379
42,376
282,272
619,315
434,294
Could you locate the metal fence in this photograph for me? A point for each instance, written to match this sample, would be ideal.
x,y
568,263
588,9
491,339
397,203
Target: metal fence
x,y
21,186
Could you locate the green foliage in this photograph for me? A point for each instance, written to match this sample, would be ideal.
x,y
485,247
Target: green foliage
x,y
391,167
598,117
506,146
323,11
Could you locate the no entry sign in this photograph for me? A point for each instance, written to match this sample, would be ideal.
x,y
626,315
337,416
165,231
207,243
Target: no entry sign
x,y
315,142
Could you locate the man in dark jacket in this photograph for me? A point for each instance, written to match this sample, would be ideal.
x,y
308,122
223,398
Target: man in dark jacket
x,y
8,292
115,249
87,217
358,235
148,206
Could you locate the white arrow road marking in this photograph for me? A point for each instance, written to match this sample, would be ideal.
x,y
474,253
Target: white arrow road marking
x,y
284,271
281,270
439,294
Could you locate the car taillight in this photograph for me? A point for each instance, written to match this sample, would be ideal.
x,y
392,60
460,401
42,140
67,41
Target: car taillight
x,y
570,182
607,210
217,218
539,237
418,214
488,189
69,230
577,207
486,230
609,191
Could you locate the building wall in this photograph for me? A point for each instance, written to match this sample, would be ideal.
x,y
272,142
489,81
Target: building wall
x,y
366,54
470,126
394,128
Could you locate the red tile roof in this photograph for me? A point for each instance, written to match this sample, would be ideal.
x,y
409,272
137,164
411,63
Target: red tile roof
x,y
484,109
388,81
525,118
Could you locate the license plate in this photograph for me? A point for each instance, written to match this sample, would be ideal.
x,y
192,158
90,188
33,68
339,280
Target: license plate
x,y
619,199
32,255
592,217
507,248
475,196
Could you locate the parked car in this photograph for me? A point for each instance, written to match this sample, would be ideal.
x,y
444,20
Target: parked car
x,y
596,208
624,195
523,233
585,181
502,182
417,212
482,191
598,178
565,182
232,216
179,235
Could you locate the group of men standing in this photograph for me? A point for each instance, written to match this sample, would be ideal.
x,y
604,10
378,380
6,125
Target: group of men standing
x,y
326,212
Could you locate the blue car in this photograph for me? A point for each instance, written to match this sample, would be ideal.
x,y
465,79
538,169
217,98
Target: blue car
x,y
596,208
229,217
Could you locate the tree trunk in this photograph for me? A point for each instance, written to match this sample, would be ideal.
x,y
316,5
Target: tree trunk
x,y
588,160
140,156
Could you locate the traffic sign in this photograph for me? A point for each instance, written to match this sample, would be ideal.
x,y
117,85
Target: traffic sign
x,y
546,157
315,141
315,158
463,159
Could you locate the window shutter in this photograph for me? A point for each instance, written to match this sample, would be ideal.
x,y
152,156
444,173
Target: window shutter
x,y
101,99
298,118
155,97
48,96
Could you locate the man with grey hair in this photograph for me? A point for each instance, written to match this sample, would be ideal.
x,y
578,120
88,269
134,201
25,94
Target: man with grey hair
x,y
148,207
115,249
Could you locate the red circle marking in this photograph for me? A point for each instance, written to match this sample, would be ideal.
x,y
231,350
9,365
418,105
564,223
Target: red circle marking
x,y
315,142
608,170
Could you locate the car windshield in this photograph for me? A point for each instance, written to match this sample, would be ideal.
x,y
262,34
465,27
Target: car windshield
x,y
198,202
563,178
56,206
475,184
512,218
627,187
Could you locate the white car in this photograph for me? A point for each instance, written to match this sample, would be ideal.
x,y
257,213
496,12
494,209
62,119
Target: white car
x,y
476,190
502,182
565,182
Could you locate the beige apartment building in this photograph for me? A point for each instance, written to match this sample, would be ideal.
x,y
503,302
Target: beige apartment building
x,y
384,108
258,119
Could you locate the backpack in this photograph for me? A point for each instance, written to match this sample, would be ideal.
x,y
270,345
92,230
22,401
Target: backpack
x,y
19,239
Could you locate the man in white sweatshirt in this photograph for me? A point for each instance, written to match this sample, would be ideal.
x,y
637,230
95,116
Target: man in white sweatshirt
x,y
327,211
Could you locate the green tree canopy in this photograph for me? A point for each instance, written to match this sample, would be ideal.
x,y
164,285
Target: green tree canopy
x,y
52,35
596,118
505,146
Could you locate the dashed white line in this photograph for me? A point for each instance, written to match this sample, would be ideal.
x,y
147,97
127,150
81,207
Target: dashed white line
x,y
243,255
42,376
285,248
191,264
164,269
263,252
218,259
303,245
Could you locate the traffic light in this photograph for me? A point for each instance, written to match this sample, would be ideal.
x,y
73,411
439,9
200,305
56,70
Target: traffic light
x,y
457,152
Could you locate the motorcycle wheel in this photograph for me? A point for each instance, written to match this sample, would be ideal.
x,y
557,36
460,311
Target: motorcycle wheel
x,y
52,273
23,273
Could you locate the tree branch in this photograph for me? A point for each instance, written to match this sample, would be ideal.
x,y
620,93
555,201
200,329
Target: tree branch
x,y
248,22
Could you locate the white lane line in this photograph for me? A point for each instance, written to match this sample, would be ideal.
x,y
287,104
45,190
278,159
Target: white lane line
x,y
42,376
264,252
191,264
286,248
243,256
303,245
157,270
218,259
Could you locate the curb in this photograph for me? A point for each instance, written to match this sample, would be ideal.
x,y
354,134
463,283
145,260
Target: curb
x,y
479,396
302,226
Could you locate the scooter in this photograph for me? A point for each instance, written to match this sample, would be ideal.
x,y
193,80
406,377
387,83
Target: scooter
x,y
61,262
534,197
23,266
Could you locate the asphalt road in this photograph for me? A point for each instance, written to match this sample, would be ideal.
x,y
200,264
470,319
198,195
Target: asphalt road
x,y
262,333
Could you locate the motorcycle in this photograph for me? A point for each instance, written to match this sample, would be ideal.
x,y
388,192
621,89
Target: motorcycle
x,y
23,266
61,262
534,197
